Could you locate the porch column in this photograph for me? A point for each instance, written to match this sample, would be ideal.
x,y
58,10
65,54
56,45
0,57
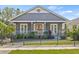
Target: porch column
x,y
64,29
44,26
31,26
59,29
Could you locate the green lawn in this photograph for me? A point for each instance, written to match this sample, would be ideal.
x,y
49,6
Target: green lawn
x,y
53,42
64,51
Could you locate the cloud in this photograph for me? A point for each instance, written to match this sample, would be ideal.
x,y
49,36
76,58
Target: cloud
x,y
54,7
66,12
77,14
70,14
69,11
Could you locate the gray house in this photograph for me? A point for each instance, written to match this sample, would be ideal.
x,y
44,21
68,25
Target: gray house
x,y
39,20
73,22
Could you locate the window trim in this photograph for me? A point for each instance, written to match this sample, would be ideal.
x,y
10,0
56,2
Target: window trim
x,y
23,31
53,31
42,27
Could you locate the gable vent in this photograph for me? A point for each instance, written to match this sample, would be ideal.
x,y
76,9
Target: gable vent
x,y
38,10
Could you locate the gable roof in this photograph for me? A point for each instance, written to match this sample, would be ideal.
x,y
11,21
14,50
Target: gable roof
x,y
75,21
50,16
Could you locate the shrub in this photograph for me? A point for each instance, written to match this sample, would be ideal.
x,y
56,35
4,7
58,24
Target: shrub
x,y
26,36
45,37
76,36
69,34
22,36
46,34
75,33
31,35
63,37
19,36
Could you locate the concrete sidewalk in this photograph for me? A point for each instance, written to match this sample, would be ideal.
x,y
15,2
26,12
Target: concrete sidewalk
x,y
6,50
38,48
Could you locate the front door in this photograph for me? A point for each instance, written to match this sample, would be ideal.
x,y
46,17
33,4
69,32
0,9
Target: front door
x,y
54,29
39,28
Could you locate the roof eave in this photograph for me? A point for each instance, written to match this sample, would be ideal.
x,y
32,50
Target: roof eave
x,y
38,21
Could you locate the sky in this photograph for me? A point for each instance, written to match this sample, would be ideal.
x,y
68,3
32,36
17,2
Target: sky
x,y
68,11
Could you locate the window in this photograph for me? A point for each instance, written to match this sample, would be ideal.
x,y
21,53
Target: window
x,y
23,28
39,26
54,28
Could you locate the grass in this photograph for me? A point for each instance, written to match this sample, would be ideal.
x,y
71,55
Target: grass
x,y
52,42
64,51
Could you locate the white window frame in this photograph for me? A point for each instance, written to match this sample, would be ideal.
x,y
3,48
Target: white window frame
x,y
53,32
24,31
42,28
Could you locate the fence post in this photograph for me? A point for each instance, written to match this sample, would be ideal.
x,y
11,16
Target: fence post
x,y
74,41
57,39
40,39
23,43
1,42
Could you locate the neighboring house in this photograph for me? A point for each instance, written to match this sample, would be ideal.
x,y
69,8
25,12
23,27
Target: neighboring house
x,y
39,20
74,22
68,25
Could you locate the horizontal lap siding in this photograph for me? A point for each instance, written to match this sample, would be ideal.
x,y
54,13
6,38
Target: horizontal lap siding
x,y
31,25
48,25
59,27
17,28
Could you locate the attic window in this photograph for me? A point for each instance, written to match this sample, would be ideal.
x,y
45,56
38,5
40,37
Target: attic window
x,y
38,10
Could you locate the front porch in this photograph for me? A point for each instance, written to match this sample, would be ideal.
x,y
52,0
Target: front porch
x,y
40,29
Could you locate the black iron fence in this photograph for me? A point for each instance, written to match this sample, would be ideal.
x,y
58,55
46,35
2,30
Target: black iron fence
x,y
33,39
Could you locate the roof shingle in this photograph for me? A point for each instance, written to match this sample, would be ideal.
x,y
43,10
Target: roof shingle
x,y
38,17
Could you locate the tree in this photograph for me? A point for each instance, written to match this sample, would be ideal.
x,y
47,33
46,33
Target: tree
x,y
74,33
2,27
6,30
18,11
7,13
9,30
